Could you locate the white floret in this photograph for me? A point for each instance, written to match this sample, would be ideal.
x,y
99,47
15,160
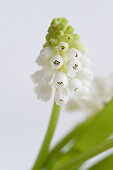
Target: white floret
x,y
46,52
85,61
40,61
43,92
84,93
62,46
56,61
60,80
85,75
75,86
61,97
73,53
73,67
45,75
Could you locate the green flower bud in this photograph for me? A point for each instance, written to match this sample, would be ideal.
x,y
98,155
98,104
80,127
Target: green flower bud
x,y
65,20
76,37
62,26
48,37
45,45
51,30
69,30
59,34
59,20
53,42
54,22
68,38
76,44
60,31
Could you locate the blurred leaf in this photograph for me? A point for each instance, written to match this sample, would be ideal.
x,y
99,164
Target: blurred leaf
x,y
75,162
97,130
105,164
52,161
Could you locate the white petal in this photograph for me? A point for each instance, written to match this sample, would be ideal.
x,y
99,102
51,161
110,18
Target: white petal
x,y
73,53
61,97
85,75
45,74
43,92
75,85
87,83
46,52
85,49
36,77
56,61
40,61
84,93
85,61
60,80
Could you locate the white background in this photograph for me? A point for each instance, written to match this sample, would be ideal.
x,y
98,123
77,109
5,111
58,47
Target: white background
x,y
23,26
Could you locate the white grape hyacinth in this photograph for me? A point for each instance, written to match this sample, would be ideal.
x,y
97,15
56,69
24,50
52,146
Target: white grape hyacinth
x,y
64,65
75,77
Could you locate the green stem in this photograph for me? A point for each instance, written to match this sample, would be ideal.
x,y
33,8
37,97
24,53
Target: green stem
x,y
61,144
48,137
87,155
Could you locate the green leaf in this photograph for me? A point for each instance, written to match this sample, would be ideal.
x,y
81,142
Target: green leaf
x,y
97,130
105,164
75,162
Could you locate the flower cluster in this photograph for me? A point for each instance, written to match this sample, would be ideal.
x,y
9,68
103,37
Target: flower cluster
x,y
64,65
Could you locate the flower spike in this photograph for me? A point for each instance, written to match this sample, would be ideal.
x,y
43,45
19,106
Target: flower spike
x,y
65,66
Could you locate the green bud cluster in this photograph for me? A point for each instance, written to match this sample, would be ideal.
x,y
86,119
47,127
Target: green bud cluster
x,y
60,30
